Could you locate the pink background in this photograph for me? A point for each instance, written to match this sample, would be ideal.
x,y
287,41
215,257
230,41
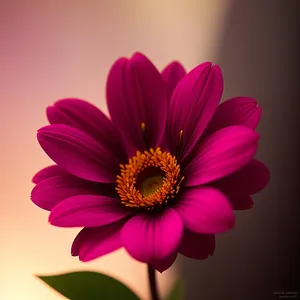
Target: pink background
x,y
56,49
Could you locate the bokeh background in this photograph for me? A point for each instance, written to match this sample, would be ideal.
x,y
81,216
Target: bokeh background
x,y
51,49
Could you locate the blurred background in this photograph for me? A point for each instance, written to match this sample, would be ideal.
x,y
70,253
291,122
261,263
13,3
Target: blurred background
x,y
54,49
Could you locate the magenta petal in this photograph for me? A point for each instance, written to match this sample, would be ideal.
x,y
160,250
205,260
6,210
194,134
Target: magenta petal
x,y
48,172
91,243
49,192
87,211
152,237
240,202
171,75
193,104
197,246
78,153
249,180
89,119
164,264
205,210
221,154
136,94
236,111
57,116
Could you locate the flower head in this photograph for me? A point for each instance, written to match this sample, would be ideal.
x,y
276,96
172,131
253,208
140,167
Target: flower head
x,y
163,175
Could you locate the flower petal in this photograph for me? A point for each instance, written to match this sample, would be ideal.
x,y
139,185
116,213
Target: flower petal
x,y
78,153
240,202
92,243
152,237
136,94
192,106
221,154
89,119
249,180
48,172
171,75
164,264
197,246
205,210
235,111
87,211
49,192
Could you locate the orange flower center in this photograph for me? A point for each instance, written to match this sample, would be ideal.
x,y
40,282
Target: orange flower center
x,y
149,180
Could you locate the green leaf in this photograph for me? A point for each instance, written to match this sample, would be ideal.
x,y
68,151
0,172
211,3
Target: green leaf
x,y
177,291
89,286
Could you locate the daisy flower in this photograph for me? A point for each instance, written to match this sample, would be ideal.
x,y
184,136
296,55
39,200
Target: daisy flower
x,y
162,175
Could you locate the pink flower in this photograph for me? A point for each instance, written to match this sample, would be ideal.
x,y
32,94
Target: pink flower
x,y
161,177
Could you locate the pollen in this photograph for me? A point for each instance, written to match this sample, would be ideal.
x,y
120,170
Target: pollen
x,y
150,179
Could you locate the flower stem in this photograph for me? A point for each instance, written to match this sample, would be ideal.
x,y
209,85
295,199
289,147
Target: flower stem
x,y
152,283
